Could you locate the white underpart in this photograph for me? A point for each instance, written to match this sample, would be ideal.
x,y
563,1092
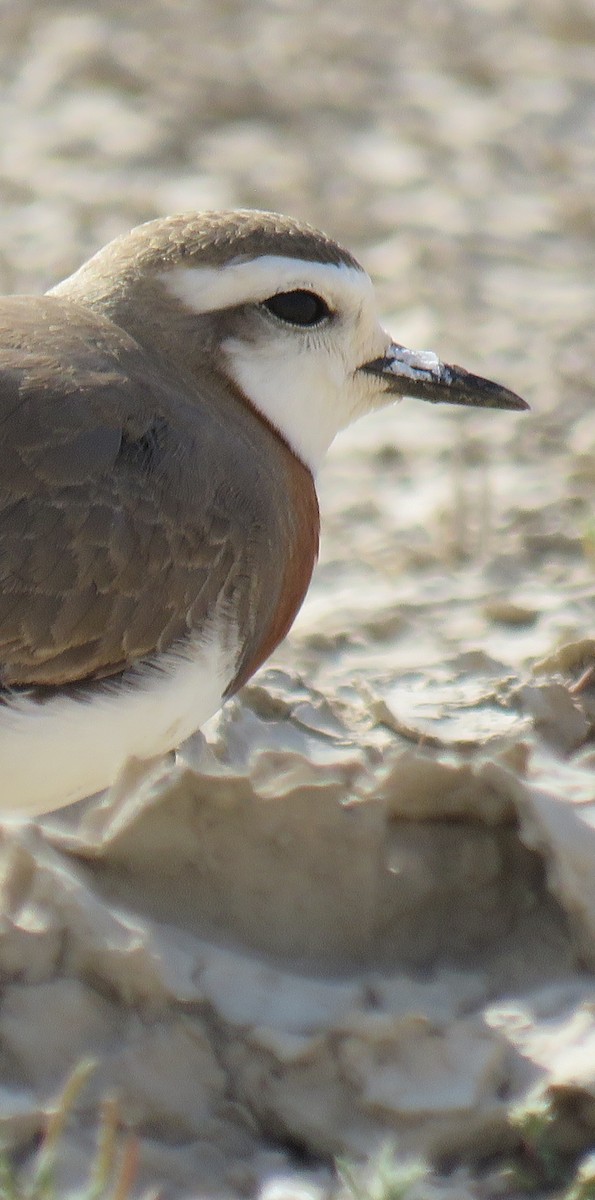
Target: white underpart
x,y
64,749
304,381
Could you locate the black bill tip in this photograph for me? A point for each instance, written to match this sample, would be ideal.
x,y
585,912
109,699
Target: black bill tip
x,y
421,374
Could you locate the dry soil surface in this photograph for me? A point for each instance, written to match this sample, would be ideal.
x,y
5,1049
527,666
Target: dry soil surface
x,y
365,908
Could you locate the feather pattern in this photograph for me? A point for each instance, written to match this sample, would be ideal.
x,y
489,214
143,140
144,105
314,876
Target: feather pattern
x,y
131,511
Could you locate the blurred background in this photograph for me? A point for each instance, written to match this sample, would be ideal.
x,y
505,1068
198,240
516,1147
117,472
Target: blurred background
x,y
451,145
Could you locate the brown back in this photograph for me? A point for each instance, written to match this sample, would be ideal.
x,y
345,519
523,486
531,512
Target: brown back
x,y
130,511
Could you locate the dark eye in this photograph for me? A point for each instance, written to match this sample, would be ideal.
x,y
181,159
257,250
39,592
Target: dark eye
x,y
298,308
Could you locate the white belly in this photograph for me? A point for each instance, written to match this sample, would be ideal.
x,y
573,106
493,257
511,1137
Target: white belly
x,y
54,753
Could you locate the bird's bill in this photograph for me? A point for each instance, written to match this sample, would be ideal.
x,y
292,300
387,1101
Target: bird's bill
x,y
419,373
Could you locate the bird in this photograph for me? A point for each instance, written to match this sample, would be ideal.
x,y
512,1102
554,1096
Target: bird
x,y
164,412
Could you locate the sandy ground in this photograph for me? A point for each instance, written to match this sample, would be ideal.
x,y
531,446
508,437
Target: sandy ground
x,y
365,910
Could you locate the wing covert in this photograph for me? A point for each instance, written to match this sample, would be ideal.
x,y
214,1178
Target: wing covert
x,y
97,566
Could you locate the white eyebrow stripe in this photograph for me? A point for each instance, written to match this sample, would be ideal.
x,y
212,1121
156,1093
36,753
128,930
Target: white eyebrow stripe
x,y
205,289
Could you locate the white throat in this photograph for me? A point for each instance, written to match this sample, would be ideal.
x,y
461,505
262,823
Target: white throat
x,y
300,405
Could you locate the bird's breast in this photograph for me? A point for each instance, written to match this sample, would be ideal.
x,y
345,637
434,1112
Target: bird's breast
x,y
284,566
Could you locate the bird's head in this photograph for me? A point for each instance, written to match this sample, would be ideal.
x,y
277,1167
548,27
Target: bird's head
x,y
276,307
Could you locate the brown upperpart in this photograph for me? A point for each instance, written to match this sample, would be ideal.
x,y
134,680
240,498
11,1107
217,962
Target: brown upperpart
x,y
135,503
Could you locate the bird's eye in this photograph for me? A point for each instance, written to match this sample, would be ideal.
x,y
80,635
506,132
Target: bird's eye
x,y
298,308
